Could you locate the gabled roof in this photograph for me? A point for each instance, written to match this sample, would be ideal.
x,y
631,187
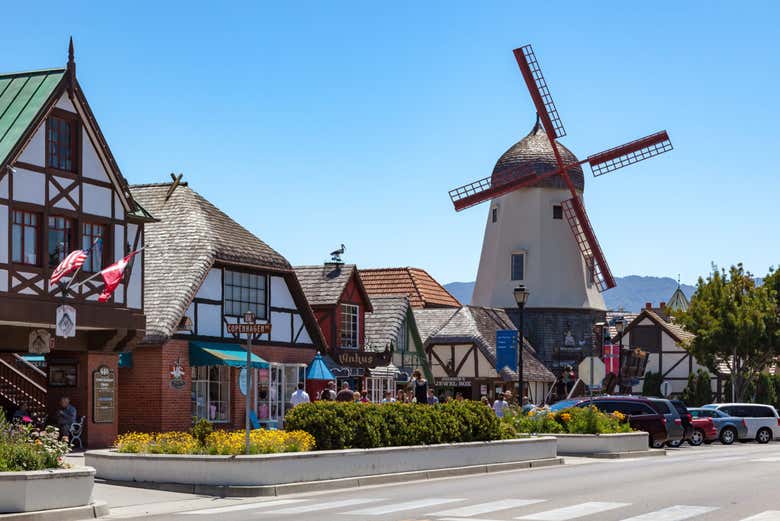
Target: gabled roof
x,y
324,284
23,97
191,235
678,333
422,289
478,325
383,325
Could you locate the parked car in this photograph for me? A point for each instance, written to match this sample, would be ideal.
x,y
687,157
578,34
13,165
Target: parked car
x,y
674,426
763,422
729,428
639,410
704,431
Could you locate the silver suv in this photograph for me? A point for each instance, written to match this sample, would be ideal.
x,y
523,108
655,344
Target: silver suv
x,y
763,422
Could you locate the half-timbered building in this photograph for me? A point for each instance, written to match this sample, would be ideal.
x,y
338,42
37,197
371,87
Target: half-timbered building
x,y
461,348
204,271
61,190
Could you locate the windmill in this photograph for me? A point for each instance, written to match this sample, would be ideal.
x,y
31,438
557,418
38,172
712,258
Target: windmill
x,y
501,183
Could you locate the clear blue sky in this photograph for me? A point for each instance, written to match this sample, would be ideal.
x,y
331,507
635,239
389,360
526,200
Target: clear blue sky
x,y
317,123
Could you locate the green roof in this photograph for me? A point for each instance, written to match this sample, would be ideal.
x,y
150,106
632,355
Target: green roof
x,y
22,96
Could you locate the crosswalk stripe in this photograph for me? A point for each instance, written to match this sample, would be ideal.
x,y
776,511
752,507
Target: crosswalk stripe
x,y
673,513
398,507
767,460
483,508
573,512
244,506
769,515
328,505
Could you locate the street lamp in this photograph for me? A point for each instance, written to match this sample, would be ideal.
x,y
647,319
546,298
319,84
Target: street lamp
x,y
620,326
521,297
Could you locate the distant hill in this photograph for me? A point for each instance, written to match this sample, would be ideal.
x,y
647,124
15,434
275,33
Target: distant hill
x,y
631,293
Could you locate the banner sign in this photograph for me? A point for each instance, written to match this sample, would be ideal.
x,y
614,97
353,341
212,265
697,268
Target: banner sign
x,y
612,358
506,349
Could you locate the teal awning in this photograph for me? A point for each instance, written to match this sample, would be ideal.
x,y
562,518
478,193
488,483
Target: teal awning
x,y
34,358
318,370
212,353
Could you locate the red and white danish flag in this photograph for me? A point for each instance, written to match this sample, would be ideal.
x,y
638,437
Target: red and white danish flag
x,y
69,264
112,276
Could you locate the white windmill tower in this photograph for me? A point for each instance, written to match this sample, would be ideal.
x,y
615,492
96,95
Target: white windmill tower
x,y
538,233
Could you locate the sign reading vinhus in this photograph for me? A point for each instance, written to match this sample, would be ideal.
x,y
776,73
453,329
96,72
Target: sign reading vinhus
x,y
363,358
104,393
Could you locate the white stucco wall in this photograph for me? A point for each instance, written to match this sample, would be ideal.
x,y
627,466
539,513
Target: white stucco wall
x,y
29,187
280,294
280,327
209,319
211,288
64,103
35,151
97,200
134,297
91,165
555,273
4,240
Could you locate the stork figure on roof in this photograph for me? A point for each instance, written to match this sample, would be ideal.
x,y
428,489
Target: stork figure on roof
x,y
335,255
536,185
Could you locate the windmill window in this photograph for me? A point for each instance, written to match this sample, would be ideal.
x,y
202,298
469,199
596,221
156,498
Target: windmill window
x,y
61,143
590,267
350,319
517,268
494,214
557,211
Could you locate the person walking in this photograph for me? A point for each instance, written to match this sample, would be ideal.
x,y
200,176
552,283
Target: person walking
x,y
345,394
329,393
420,387
500,404
299,396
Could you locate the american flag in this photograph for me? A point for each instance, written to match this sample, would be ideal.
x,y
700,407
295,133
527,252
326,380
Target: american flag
x,y
69,264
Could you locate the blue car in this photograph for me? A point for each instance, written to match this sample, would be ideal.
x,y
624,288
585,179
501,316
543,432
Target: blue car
x,y
729,428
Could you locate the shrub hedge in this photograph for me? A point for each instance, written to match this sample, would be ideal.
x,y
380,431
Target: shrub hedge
x,y
576,420
342,425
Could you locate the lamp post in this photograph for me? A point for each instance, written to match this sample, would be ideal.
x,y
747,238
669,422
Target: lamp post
x,y
249,318
620,326
521,297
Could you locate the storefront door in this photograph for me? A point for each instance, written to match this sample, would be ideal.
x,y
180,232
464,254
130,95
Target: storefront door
x,y
275,388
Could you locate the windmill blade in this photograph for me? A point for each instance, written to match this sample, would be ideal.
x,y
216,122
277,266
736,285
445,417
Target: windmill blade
x,y
540,94
630,153
587,243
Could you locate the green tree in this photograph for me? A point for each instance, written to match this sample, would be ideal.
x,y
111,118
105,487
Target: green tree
x,y
652,384
735,323
703,387
765,390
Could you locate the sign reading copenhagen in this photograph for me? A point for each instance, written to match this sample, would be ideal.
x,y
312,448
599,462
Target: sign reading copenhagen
x,y
251,329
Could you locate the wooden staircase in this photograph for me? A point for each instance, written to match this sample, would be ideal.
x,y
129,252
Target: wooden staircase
x,y
22,382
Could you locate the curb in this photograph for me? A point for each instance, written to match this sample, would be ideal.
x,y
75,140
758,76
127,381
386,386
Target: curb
x,y
331,484
94,510
650,453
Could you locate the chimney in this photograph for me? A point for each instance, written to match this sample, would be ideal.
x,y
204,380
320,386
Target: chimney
x,y
648,305
663,305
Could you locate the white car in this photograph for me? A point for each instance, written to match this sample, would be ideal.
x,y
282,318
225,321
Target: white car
x,y
763,422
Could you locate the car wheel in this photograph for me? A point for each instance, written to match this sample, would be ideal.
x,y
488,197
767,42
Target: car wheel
x,y
764,435
657,444
697,438
675,443
728,435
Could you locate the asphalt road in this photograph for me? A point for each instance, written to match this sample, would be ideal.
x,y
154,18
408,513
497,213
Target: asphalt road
x,y
738,482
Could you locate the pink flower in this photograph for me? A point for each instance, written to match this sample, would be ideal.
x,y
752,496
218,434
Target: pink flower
x,y
26,419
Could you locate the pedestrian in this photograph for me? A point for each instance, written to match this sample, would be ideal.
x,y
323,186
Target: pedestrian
x,y
485,401
400,396
388,397
432,400
527,405
500,404
364,397
22,414
345,394
66,416
356,397
459,397
420,386
299,396
329,393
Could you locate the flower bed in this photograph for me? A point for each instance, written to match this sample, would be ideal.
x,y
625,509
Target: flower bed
x,y
24,447
215,443
576,420
337,425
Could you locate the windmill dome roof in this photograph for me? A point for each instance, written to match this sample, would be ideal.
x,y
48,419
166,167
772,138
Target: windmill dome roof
x,y
533,154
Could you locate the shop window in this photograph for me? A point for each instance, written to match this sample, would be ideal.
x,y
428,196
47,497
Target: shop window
x,y
61,143
60,239
518,266
25,231
245,291
211,393
350,315
93,238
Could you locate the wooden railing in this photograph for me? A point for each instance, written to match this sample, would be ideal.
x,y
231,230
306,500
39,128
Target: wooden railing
x,y
29,369
16,387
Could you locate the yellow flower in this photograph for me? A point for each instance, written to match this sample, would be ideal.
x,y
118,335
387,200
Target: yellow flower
x,y
566,416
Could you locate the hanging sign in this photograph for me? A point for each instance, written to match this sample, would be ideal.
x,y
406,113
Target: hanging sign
x,y
65,321
40,342
177,375
254,329
506,349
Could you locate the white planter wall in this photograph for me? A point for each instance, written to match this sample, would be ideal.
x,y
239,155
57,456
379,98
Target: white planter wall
x,y
45,489
277,469
586,444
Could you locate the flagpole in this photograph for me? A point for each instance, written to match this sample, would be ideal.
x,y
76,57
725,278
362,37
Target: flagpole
x,y
89,252
99,272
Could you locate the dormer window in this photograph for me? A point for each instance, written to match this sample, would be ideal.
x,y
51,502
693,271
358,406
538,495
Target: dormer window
x,y
61,143
350,318
245,292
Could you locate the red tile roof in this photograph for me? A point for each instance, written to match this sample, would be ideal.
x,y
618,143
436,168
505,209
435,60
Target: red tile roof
x,y
422,289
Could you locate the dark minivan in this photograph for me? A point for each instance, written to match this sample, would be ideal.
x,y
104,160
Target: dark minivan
x,y
641,414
